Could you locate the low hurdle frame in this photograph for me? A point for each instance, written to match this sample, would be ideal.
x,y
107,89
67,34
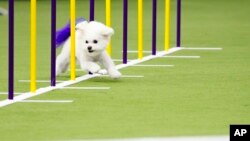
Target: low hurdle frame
x,y
91,18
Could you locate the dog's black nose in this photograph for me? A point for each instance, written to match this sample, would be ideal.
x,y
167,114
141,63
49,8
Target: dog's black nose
x,y
89,47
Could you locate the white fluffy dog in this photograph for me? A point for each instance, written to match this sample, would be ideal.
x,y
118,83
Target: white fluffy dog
x,y
91,41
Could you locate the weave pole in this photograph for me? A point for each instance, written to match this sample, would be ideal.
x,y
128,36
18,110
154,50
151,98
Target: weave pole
x,y
154,26
33,46
91,10
11,51
167,25
108,22
178,34
53,44
125,31
72,40
140,29
91,13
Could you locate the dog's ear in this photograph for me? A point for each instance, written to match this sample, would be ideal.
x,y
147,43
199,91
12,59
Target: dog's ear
x,y
81,26
107,32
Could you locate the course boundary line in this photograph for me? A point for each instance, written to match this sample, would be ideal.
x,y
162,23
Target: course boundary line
x,y
184,138
86,88
153,65
126,76
184,48
46,101
185,57
83,78
202,48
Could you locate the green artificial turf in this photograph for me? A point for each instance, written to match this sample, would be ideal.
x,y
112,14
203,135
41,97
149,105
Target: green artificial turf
x,y
195,97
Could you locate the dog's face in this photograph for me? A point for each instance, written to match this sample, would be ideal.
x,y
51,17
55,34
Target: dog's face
x,y
94,36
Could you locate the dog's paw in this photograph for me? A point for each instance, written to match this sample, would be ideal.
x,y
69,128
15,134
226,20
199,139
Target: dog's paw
x,y
93,67
113,73
102,71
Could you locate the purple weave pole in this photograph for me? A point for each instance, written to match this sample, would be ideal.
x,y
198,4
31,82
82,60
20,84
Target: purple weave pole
x,y
178,34
11,51
154,25
125,31
91,13
91,10
53,43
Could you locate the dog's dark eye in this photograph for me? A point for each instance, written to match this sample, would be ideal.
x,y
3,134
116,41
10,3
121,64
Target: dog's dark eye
x,y
86,41
95,41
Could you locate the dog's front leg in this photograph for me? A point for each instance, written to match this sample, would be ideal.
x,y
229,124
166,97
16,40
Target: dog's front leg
x,y
93,67
88,66
62,64
109,65
62,60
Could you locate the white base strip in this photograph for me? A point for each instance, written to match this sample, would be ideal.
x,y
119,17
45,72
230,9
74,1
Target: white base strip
x,y
153,66
47,101
5,93
40,81
186,57
86,88
196,48
149,57
126,76
82,78
119,60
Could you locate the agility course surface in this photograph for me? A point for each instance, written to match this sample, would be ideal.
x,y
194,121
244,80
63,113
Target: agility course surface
x,y
186,93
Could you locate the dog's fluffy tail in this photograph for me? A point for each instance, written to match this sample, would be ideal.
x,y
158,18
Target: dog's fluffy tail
x,y
63,34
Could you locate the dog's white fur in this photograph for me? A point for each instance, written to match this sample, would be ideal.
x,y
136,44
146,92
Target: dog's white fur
x,y
91,41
